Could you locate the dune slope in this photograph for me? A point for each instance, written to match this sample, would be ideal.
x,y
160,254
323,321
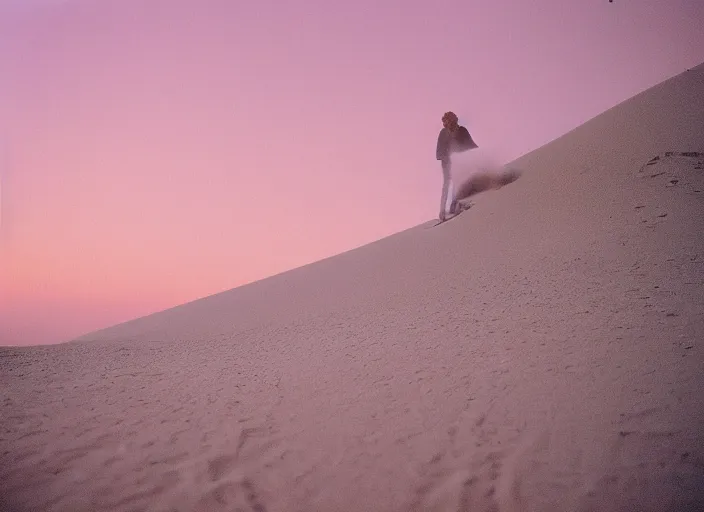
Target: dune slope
x,y
543,351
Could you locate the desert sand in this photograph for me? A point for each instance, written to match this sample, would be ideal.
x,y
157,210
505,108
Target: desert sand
x,y
543,351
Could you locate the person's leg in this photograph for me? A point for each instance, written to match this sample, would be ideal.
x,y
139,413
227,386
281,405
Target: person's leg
x,y
446,183
449,203
452,205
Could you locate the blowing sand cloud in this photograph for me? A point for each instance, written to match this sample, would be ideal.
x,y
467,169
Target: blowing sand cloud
x,y
481,170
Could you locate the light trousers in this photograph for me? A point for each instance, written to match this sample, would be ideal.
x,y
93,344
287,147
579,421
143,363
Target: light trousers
x,y
447,199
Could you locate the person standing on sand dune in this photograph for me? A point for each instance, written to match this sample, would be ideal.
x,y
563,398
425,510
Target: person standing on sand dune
x,y
453,138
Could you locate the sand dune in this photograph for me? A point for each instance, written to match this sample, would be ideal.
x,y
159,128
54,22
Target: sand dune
x,y
542,352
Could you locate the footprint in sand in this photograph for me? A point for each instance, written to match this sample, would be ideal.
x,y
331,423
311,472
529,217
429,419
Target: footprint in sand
x,y
239,495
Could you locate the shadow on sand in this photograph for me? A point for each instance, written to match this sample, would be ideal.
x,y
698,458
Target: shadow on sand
x,y
486,180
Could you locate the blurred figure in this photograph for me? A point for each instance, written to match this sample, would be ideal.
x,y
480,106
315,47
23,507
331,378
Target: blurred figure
x,y
453,138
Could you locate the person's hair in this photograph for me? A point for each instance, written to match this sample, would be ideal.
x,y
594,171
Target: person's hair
x,y
450,117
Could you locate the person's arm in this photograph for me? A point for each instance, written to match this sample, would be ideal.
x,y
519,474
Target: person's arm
x,y
442,150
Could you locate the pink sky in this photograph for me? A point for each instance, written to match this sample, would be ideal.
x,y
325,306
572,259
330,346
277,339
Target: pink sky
x,y
155,152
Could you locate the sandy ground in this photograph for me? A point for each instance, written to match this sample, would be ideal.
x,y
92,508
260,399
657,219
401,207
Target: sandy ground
x,y
540,352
